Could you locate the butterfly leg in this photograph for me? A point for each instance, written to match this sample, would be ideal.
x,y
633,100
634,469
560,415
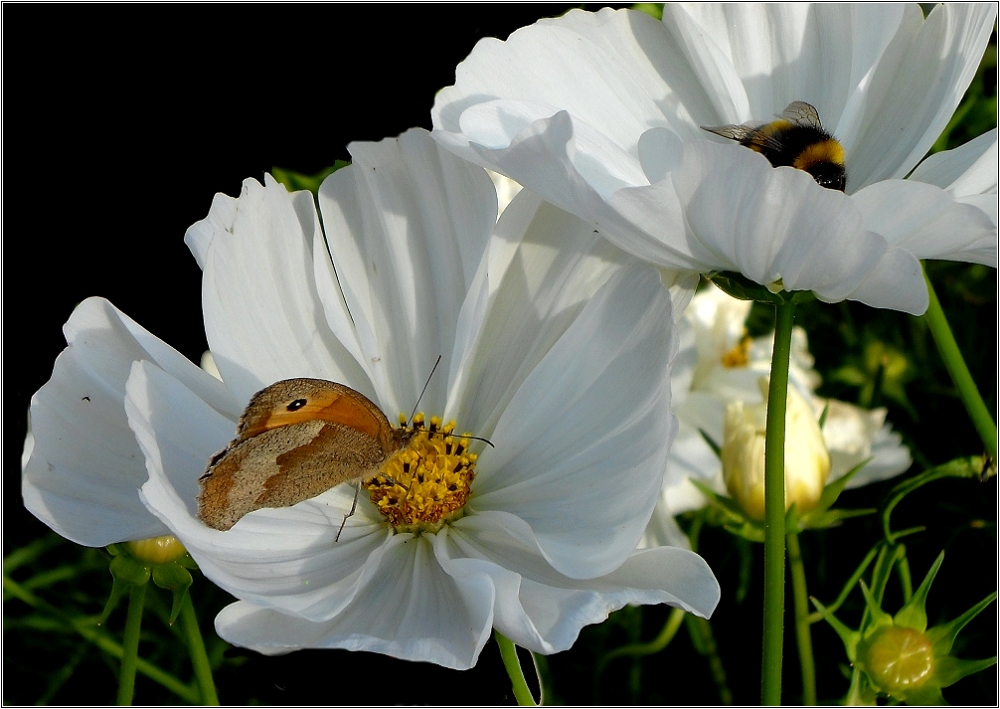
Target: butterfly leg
x,y
354,507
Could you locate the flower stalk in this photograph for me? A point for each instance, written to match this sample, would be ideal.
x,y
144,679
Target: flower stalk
x,y
803,636
774,511
196,649
130,645
508,651
959,371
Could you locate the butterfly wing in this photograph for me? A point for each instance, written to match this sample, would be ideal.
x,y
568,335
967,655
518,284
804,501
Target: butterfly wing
x,y
283,466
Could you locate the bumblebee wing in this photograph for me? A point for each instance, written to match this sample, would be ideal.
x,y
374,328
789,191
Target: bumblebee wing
x,y
800,113
749,136
740,133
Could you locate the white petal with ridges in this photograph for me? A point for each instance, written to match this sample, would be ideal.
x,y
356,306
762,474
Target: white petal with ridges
x,y
423,216
412,609
84,469
614,467
263,316
541,609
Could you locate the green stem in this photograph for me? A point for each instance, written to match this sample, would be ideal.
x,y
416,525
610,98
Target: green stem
x,y
130,644
199,658
803,635
508,651
955,364
774,507
654,646
88,631
703,640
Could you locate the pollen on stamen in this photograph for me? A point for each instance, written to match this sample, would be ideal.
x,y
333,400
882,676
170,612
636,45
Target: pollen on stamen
x,y
739,355
428,483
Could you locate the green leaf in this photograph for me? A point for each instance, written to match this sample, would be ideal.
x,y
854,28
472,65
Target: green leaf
x,y
711,444
739,286
849,586
849,637
970,467
126,572
294,181
951,669
175,578
943,636
734,520
914,613
653,9
879,618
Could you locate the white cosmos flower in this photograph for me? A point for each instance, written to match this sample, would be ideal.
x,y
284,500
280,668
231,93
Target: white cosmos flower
x,y
556,347
718,364
600,113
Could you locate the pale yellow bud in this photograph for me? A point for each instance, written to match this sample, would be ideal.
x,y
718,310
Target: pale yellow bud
x,y
807,461
156,550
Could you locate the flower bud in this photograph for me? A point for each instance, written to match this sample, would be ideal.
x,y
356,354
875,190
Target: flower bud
x,y
807,461
156,550
897,659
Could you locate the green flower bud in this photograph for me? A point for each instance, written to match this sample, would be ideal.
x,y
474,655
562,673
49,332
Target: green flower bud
x,y
897,659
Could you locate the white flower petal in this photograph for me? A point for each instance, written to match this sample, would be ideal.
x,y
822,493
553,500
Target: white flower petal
x,y
895,282
614,468
811,53
582,62
854,435
409,222
84,468
543,268
967,170
917,86
263,316
411,609
927,221
543,610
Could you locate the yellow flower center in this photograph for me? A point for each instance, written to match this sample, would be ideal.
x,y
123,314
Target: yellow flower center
x,y
739,355
427,484
899,659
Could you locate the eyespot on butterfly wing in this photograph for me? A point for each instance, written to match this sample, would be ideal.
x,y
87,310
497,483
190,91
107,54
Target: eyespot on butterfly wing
x,y
297,439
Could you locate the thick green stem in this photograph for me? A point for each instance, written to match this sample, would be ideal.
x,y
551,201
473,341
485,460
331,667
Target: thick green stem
x,y
508,651
774,507
955,364
199,658
130,644
803,635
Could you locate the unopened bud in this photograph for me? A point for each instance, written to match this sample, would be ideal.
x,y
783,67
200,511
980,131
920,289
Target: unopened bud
x,y
897,659
807,461
156,550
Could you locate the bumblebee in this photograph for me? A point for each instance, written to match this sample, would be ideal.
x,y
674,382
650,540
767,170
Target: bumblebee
x,y
796,139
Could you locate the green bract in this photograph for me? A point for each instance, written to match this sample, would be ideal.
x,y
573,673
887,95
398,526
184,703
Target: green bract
x,y
897,655
164,559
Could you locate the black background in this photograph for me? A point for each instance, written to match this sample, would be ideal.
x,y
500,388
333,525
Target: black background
x,y
121,123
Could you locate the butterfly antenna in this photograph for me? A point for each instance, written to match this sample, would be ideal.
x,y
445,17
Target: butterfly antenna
x,y
487,441
423,391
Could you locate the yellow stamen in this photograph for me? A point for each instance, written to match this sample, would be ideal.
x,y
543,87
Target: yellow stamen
x,y
739,355
428,483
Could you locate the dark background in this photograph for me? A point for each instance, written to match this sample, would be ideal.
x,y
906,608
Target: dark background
x,y
116,137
